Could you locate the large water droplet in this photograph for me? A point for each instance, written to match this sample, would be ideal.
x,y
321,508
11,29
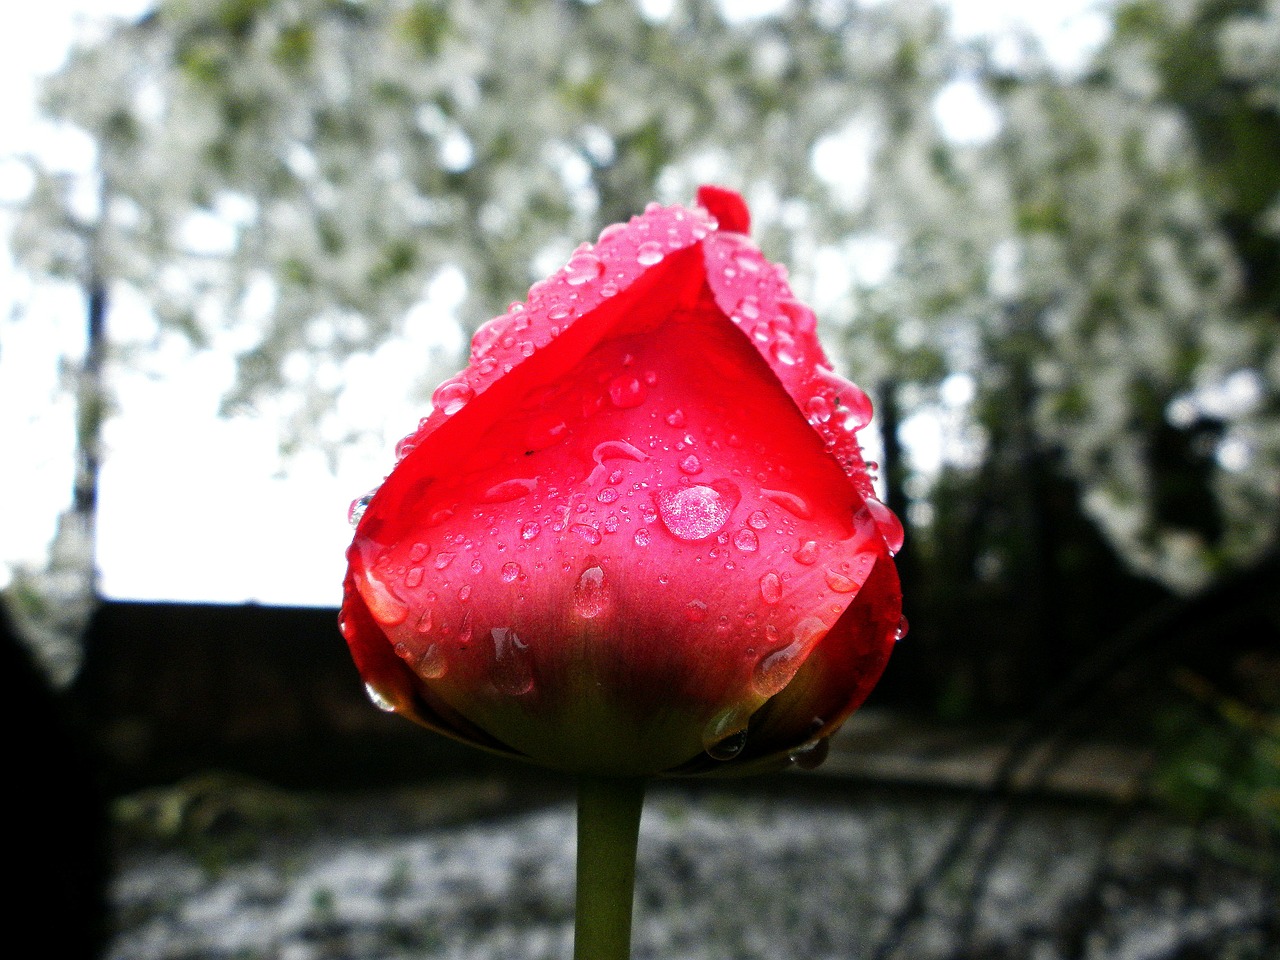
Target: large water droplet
x,y
378,700
512,671
887,524
530,529
901,630
452,395
691,464
413,577
746,540
429,663
583,267
510,571
587,533
806,553
770,588
512,489
358,506
726,735
385,607
649,253
811,755
790,502
697,512
627,390
853,404
775,670
641,538
590,594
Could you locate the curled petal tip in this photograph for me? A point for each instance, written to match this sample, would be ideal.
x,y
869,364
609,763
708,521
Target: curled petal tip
x,y
728,207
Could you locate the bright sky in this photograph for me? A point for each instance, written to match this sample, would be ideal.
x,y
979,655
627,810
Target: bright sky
x,y
193,507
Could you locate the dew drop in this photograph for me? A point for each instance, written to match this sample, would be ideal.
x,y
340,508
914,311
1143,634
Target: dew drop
x,y
649,253
746,540
609,289
444,559
696,611
510,571
607,495
691,464
384,606
378,700
509,490
418,552
819,409
582,268
887,524
811,755
590,594
758,520
840,583
413,577
770,588
901,630
452,395
775,670
696,512
530,529
641,538
586,532
358,507
512,671
726,735
794,505
627,391
675,418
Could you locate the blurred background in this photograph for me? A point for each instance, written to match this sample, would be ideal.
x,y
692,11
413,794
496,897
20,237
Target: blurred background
x,y
246,238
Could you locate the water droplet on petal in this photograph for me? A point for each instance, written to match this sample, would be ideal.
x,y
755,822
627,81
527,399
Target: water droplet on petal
x,y
901,630
582,268
887,524
794,505
418,552
726,735
627,391
746,540
452,395
806,553
819,409
775,670
429,664
811,755
607,495
413,577
758,520
358,506
691,464
770,588
641,538
590,594
509,490
444,559
510,571
675,418
378,700
512,671
649,253
530,530
586,532
698,511
696,611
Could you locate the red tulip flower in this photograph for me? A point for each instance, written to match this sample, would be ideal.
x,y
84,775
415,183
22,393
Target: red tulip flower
x,y
636,536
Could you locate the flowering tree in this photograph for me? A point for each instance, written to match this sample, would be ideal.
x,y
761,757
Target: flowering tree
x,y
1086,278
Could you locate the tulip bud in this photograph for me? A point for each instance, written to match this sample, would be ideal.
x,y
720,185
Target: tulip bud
x,y
636,535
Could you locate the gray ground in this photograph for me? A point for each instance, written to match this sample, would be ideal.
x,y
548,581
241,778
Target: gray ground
x,y
481,870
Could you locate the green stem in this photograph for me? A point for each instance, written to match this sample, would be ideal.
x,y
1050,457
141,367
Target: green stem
x,y
608,825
